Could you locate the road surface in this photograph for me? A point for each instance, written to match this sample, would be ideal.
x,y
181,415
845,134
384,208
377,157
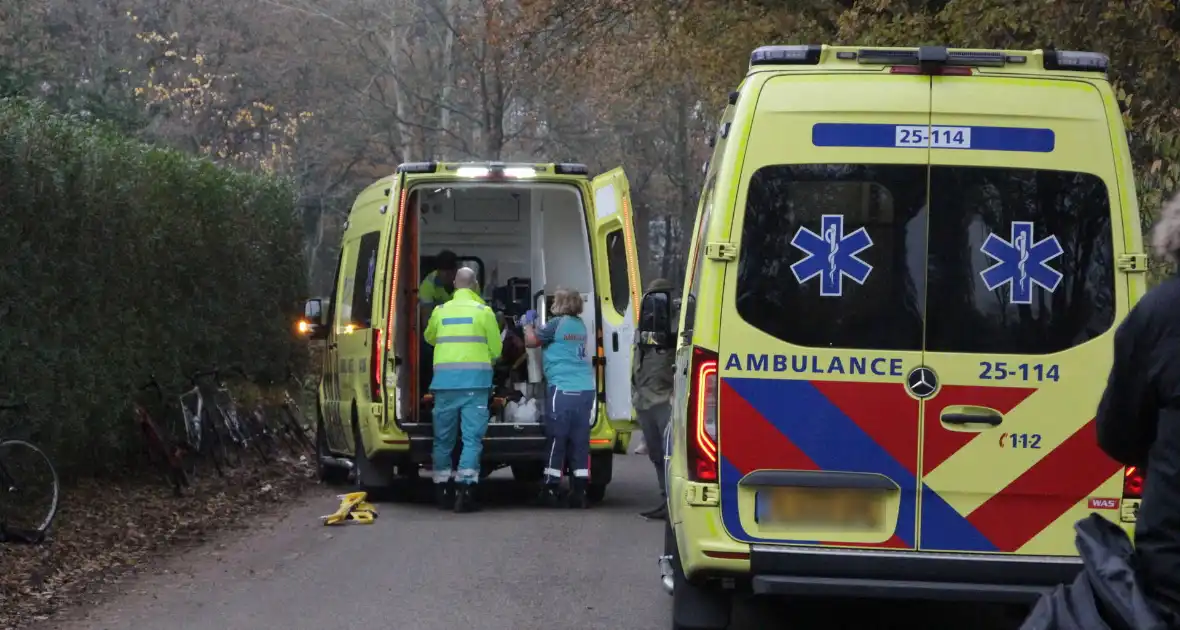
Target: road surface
x,y
510,567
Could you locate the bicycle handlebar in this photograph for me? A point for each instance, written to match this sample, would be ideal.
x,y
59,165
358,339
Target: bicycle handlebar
x,y
200,374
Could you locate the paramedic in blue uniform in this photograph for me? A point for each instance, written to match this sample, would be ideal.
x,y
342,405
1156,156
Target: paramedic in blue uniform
x,y
435,290
569,376
1138,420
467,344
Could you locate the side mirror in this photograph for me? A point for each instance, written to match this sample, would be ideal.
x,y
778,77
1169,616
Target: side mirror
x,y
313,325
655,320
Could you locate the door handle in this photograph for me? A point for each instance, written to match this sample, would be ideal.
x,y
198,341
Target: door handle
x,y
972,415
614,339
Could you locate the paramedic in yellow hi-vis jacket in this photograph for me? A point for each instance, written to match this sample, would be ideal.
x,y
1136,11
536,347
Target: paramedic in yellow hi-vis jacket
x,y
466,340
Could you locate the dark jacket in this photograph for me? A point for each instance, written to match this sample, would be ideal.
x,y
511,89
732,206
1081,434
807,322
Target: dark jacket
x,y
1106,594
1139,425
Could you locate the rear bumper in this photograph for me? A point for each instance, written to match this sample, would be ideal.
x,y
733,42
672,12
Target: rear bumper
x,y
783,570
503,443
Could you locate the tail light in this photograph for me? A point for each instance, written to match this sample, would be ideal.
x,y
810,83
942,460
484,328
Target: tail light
x,y
1133,483
375,366
702,417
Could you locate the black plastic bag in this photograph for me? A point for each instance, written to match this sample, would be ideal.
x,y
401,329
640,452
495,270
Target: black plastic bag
x,y
1106,594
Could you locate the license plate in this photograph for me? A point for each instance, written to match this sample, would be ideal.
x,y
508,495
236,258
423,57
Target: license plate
x,y
820,508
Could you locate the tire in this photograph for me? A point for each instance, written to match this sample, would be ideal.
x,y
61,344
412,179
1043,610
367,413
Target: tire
x,y
601,472
528,472
31,525
694,607
596,492
371,477
331,475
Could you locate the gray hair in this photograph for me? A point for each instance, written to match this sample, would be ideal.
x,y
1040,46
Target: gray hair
x,y
465,278
567,302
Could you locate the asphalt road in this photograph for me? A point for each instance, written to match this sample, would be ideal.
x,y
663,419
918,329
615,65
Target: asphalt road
x,y
510,567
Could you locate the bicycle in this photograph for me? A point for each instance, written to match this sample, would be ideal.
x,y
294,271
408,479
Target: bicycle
x,y
203,436
174,457
20,461
291,420
245,430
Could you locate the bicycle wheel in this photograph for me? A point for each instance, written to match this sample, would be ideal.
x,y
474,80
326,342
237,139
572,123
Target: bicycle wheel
x,y
293,421
222,447
29,492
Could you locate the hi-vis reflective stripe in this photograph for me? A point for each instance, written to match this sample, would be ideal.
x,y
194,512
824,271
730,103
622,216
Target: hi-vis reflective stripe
x,y
582,473
448,321
441,367
460,339
973,497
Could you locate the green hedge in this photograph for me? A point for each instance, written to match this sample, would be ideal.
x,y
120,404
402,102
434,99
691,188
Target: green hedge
x,y
119,260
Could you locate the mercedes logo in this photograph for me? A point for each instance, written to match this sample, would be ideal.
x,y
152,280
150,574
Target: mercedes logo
x,y
922,382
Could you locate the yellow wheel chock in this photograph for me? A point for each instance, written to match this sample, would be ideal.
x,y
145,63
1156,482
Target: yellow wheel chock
x,y
353,509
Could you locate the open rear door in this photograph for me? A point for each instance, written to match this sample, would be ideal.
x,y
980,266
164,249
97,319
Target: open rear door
x,y
616,276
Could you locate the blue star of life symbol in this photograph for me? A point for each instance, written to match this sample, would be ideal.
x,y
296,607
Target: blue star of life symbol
x,y
1021,263
832,256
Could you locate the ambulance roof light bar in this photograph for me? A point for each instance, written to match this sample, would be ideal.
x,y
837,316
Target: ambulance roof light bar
x,y
496,170
803,55
931,57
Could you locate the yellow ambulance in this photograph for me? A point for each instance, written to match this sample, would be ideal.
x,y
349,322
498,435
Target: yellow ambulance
x,y
907,268
526,229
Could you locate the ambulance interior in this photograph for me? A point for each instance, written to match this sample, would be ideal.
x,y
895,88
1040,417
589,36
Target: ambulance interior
x,y
524,241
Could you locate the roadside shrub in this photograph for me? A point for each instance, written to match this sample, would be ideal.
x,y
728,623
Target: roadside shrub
x,y
119,260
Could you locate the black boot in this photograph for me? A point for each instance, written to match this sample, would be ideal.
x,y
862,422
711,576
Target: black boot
x,y
444,495
550,496
465,499
578,493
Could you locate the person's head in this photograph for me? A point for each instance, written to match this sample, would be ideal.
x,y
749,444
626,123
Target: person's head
x,y
446,264
501,319
465,278
659,284
567,302
1165,235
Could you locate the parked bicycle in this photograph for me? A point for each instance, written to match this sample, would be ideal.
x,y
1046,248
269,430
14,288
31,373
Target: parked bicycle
x,y
246,431
174,458
29,489
203,434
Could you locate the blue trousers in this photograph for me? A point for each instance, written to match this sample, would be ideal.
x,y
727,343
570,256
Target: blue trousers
x,y
455,411
568,430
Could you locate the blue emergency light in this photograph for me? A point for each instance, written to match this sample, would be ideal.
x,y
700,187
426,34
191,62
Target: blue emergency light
x,y
786,55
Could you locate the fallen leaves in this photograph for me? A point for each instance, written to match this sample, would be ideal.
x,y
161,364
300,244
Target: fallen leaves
x,y
106,530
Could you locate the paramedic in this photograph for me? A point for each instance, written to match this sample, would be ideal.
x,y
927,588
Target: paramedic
x,y
651,385
1139,418
570,379
435,290
467,343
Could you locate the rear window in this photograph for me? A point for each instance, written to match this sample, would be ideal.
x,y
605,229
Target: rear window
x,y
1021,261
834,255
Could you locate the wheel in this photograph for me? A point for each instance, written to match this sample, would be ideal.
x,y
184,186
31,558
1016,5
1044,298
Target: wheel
x,y
596,492
29,492
371,477
332,475
694,607
528,472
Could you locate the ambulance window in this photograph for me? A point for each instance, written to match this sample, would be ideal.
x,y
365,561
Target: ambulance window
x,y
997,282
690,301
363,277
616,262
872,304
